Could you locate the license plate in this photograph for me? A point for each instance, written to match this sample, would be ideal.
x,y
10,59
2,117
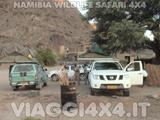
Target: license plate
x,y
112,87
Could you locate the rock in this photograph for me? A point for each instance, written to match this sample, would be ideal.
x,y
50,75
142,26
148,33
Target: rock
x,y
27,30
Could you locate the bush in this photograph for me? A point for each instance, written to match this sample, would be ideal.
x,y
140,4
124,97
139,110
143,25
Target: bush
x,y
46,57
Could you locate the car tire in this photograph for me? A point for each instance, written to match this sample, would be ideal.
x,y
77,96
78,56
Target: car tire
x,y
54,78
144,82
92,92
126,93
15,88
45,84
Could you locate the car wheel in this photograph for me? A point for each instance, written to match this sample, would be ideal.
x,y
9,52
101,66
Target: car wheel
x,y
126,93
92,92
15,88
144,82
45,84
54,78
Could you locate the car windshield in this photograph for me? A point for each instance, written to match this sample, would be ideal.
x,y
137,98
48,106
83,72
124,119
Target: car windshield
x,y
23,68
70,67
107,66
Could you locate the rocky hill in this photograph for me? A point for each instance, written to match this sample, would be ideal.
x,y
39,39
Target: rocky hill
x,y
26,30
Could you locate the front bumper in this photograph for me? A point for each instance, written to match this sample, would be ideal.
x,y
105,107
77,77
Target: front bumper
x,y
110,84
111,87
23,83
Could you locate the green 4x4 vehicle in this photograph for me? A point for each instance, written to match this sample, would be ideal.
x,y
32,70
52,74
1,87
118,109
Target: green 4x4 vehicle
x,y
27,74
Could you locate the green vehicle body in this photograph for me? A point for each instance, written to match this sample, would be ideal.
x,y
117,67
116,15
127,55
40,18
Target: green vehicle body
x,y
27,74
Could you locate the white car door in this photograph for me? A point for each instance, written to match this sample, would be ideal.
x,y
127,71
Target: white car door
x,y
135,72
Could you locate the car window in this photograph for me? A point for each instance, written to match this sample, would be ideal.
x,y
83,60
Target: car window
x,y
67,67
23,68
36,66
107,66
72,68
134,67
81,66
40,68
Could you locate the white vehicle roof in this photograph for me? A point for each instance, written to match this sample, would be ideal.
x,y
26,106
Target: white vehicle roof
x,y
98,59
108,61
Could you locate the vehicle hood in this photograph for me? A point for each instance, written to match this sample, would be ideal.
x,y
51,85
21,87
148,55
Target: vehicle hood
x,y
108,72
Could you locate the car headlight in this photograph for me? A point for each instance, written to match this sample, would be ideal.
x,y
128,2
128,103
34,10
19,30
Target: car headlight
x,y
96,77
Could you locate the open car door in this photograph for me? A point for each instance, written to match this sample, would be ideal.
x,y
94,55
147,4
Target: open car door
x,y
135,72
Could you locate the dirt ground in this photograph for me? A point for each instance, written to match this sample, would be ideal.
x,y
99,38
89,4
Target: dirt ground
x,y
51,93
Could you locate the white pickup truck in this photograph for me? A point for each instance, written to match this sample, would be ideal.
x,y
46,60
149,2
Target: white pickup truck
x,y
110,75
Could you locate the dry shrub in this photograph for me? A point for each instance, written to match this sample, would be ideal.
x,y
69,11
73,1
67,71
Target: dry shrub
x,y
153,74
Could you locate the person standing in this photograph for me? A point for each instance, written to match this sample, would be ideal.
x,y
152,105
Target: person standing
x,y
86,72
63,78
68,90
77,74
